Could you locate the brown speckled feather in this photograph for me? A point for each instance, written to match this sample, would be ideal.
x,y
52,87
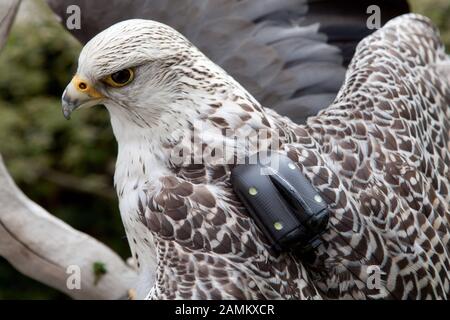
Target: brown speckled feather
x,y
378,155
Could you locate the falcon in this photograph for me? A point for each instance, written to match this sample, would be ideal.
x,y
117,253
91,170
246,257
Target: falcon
x,y
379,155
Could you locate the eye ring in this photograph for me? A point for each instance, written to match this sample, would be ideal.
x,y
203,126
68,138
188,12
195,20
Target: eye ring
x,y
120,78
82,86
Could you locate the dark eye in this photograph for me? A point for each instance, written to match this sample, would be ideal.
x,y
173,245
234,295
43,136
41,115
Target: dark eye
x,y
120,78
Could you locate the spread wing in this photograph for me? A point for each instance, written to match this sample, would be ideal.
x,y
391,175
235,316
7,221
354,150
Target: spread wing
x,y
290,54
382,159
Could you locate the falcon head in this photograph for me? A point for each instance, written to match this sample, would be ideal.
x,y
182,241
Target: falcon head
x,y
128,68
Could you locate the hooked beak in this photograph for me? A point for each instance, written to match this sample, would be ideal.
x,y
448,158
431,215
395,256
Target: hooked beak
x,y
79,94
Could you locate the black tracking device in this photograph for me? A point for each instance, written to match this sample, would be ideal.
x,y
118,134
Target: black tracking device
x,y
286,207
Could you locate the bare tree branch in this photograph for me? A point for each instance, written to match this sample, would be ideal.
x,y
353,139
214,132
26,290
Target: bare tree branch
x,y
43,247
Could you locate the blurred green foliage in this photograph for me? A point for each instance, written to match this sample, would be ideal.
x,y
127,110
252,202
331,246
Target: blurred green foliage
x,y
67,166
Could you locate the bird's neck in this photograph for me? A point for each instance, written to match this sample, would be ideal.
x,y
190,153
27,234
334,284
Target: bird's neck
x,y
212,112
222,119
